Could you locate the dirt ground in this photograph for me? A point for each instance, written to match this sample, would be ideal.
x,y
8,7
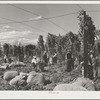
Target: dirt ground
x,y
55,73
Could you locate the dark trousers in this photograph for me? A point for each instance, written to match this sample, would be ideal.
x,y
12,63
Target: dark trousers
x,y
5,60
90,72
69,65
34,66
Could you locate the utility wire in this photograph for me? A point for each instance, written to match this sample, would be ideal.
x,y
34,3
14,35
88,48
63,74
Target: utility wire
x,y
23,9
86,10
24,24
38,15
62,15
57,25
79,6
38,19
34,28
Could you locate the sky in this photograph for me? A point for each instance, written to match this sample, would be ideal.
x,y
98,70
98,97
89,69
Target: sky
x,y
32,26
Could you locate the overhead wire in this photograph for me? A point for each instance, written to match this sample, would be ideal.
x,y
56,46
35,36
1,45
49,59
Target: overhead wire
x,y
38,19
22,22
39,15
44,18
13,21
79,6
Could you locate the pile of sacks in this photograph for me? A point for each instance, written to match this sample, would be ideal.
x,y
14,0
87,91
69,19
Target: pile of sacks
x,y
5,66
21,79
80,84
13,64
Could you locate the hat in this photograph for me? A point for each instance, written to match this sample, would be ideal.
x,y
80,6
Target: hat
x,y
34,57
91,52
82,63
68,51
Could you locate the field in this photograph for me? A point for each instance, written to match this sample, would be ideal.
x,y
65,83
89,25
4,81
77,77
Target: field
x,y
55,74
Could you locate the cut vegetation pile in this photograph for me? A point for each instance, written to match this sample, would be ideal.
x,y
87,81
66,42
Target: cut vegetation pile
x,y
54,75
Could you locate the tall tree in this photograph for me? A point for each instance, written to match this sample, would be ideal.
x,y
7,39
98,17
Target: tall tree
x,y
6,49
87,35
30,49
87,24
1,52
50,43
10,50
15,51
59,48
40,46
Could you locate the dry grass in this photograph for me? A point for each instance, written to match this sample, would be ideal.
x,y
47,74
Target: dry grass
x,y
55,73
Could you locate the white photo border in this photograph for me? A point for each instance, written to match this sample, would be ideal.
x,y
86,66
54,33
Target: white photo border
x,y
49,94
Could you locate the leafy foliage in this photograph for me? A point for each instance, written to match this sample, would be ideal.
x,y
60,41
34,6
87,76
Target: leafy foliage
x,y
61,44
30,50
6,49
85,22
50,43
40,47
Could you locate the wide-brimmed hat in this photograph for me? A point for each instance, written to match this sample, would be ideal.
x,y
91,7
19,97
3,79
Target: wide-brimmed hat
x,y
34,57
68,51
91,53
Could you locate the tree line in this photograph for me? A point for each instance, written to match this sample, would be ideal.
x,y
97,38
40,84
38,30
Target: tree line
x,y
59,43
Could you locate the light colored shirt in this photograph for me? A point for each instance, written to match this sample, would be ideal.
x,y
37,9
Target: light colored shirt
x,y
33,61
55,55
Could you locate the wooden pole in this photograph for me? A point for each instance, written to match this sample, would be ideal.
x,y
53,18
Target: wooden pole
x,y
85,48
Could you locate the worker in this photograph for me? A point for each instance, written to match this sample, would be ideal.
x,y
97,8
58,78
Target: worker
x,y
34,62
70,62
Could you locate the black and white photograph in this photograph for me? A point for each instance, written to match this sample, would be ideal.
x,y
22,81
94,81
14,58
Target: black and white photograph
x,y
49,47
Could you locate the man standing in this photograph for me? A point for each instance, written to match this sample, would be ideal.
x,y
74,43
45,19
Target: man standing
x,y
34,62
45,59
55,58
5,59
93,67
70,62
